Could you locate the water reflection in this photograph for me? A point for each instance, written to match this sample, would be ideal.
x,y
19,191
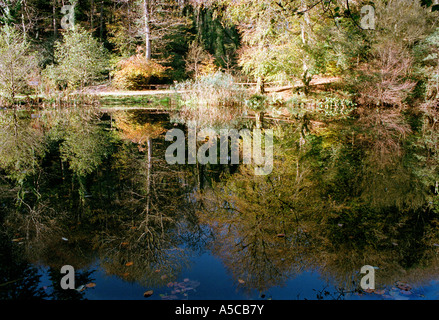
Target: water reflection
x,y
78,186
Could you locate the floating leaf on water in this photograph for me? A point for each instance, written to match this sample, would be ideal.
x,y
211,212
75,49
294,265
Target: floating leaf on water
x,y
126,274
129,263
163,277
65,239
380,292
186,280
340,224
148,293
241,281
369,290
80,288
90,285
17,239
124,244
158,270
170,284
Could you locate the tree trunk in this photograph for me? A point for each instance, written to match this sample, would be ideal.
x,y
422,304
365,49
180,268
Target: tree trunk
x,y
101,22
92,5
54,19
303,26
259,118
260,85
148,176
147,31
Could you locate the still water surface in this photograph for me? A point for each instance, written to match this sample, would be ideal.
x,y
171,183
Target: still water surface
x,y
93,190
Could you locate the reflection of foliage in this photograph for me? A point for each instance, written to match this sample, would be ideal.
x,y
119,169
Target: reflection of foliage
x,y
136,132
342,194
262,224
334,202
21,144
150,258
133,242
83,142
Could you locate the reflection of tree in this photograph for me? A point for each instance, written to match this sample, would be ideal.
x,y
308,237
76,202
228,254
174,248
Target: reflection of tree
x,y
262,223
321,209
146,246
21,147
139,219
140,134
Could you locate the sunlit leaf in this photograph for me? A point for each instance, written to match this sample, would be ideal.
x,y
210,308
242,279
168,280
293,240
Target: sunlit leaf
x,y
148,293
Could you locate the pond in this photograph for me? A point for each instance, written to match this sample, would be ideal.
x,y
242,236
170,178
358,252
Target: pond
x,y
93,190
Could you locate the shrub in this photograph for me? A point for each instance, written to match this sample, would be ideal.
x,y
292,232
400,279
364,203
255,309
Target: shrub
x,y
137,72
210,99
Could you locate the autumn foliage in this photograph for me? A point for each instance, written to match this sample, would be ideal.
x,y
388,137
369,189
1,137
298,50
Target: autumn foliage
x,y
137,72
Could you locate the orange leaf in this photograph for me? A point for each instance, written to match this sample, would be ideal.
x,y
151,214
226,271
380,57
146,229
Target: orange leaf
x,y
128,264
148,293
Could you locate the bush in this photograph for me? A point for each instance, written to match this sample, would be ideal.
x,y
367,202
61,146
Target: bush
x,y
137,72
210,99
217,89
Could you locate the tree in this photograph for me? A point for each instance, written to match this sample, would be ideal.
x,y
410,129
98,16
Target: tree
x,y
384,75
275,37
146,23
17,63
80,60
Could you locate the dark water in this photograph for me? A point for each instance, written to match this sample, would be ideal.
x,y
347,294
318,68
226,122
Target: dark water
x,y
93,190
